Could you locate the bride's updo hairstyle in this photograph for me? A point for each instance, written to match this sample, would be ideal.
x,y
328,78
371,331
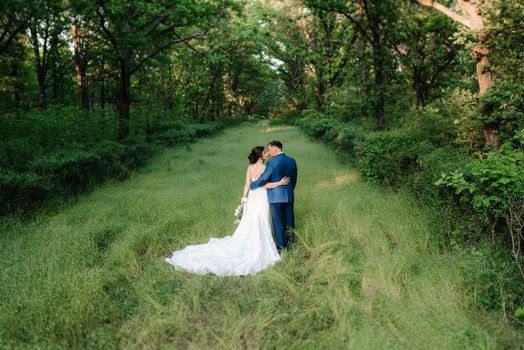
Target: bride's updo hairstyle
x,y
256,154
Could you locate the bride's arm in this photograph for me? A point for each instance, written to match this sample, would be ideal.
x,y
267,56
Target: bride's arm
x,y
246,185
283,181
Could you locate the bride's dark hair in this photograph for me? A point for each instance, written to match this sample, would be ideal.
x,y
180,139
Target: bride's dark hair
x,y
256,154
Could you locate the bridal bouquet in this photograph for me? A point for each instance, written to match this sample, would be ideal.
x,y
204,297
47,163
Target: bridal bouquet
x,y
239,211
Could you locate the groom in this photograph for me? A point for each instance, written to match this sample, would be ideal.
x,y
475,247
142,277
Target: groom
x,y
281,198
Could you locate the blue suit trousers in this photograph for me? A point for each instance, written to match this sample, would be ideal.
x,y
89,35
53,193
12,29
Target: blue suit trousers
x,y
283,220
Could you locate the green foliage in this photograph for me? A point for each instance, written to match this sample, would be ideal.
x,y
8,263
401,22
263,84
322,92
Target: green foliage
x,y
431,125
503,106
494,187
460,108
386,157
429,168
58,153
317,125
489,275
426,48
491,184
506,39
68,172
22,191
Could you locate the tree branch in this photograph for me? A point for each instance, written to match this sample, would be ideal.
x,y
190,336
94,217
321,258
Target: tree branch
x,y
12,35
104,28
443,9
165,46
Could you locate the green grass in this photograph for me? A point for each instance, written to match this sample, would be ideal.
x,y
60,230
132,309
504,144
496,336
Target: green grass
x,y
366,272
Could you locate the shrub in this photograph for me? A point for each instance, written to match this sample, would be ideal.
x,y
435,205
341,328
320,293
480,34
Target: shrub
x,y
318,126
347,139
502,106
429,168
70,171
388,156
21,191
490,276
494,187
31,178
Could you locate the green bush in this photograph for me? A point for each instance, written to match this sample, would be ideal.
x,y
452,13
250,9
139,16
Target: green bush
x,y
389,156
431,125
318,126
34,171
494,187
429,168
22,191
490,276
70,171
347,138
502,106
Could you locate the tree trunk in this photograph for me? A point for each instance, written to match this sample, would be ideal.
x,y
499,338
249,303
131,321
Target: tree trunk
x,y
363,77
53,58
490,129
124,96
420,87
320,88
102,91
474,20
42,100
80,67
378,63
16,84
40,64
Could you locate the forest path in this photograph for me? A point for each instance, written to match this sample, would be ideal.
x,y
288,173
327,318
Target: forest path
x,y
365,273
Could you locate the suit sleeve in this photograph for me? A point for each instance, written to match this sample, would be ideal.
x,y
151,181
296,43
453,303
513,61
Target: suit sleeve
x,y
264,178
295,174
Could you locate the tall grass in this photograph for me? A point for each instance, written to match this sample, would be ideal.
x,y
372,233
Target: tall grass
x,y
366,272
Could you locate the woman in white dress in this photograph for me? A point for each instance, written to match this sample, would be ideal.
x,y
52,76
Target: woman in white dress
x,y
251,248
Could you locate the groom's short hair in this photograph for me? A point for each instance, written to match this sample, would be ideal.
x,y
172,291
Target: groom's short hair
x,y
276,143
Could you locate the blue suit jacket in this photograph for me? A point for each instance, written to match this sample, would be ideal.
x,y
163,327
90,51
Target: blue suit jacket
x,y
277,168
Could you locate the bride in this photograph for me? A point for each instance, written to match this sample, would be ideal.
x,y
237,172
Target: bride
x,y
251,248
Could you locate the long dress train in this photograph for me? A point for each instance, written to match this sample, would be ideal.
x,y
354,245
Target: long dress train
x,y
249,250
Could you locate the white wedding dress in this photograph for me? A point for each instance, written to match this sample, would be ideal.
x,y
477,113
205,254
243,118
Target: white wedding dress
x,y
249,250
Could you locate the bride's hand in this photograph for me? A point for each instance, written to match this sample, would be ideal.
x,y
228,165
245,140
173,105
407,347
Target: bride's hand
x,y
284,181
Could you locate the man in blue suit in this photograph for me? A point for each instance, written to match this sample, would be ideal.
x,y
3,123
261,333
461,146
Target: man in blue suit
x,y
281,198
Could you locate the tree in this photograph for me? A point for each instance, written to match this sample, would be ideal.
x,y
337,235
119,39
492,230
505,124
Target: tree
x,y
375,21
81,57
283,30
473,19
138,32
427,49
14,18
45,24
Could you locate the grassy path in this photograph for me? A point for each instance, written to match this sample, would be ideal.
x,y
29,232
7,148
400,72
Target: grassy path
x,y
365,274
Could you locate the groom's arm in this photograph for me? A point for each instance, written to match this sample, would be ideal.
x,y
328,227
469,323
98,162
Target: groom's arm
x,y
264,178
294,177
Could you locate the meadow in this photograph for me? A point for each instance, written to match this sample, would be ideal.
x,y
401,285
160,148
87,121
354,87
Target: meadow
x,y
368,270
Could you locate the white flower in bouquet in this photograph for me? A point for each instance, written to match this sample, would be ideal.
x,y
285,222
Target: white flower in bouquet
x,y
239,211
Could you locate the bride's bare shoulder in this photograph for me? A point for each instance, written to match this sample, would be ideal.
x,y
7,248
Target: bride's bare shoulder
x,y
250,168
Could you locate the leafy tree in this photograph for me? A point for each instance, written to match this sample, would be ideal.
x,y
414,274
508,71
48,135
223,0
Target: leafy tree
x,y
138,31
427,49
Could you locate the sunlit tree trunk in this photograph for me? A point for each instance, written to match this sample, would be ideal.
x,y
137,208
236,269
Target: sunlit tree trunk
x,y
473,19
80,67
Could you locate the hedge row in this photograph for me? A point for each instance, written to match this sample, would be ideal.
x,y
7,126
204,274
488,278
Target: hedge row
x,y
487,188
65,172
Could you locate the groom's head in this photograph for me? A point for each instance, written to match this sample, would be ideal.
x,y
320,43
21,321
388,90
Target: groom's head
x,y
274,147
